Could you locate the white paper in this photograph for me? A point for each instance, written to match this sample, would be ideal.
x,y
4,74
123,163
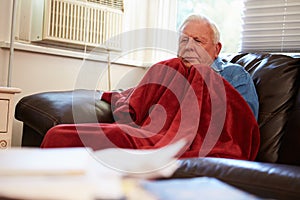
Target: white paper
x,y
34,161
80,173
156,163
62,173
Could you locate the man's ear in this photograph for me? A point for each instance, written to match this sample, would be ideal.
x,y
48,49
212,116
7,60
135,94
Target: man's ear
x,y
218,49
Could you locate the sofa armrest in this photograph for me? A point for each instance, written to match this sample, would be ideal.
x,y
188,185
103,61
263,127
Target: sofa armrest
x,y
42,111
267,180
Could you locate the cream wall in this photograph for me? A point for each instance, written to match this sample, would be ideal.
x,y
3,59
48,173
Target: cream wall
x,y
35,72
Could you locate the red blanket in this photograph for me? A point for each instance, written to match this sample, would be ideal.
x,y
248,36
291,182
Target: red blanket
x,y
171,102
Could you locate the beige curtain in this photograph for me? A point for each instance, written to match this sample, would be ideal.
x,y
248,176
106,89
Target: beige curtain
x,y
149,30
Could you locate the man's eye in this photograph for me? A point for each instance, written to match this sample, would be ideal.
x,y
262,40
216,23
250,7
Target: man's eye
x,y
184,39
198,41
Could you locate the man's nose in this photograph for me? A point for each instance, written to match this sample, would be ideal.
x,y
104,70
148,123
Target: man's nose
x,y
189,44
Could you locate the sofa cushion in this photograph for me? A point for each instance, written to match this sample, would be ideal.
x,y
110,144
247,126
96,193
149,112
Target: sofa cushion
x,y
266,180
276,80
42,111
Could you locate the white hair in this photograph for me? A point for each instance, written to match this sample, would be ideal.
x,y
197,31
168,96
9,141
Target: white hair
x,y
213,26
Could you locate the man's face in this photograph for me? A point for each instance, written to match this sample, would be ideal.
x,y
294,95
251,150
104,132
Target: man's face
x,y
196,44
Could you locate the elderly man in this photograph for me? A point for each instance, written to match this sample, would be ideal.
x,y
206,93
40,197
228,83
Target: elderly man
x,y
199,43
179,98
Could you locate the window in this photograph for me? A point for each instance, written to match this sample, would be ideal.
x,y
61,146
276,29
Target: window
x,y
226,14
271,26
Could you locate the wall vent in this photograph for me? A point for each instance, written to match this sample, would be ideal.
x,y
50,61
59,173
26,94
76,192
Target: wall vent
x,y
79,22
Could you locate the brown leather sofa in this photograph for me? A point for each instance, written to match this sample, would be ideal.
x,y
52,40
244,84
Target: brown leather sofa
x,y
275,173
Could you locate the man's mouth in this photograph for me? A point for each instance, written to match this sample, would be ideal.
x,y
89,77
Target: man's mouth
x,y
190,59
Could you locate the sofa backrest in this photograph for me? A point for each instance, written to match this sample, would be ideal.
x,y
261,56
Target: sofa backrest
x,y
289,151
276,78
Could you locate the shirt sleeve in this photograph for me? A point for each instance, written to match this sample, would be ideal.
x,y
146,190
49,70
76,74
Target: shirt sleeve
x,y
241,80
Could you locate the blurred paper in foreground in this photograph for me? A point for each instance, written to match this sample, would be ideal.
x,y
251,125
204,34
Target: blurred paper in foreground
x,y
80,173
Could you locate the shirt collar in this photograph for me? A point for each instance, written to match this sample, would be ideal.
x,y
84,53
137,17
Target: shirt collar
x,y
218,65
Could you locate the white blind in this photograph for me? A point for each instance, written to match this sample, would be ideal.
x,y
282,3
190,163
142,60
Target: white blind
x,y
271,26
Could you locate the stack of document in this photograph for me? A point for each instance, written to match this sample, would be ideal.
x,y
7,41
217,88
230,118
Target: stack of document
x,y
66,173
80,173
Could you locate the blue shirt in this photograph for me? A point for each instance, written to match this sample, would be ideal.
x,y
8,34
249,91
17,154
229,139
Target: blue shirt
x,y
240,79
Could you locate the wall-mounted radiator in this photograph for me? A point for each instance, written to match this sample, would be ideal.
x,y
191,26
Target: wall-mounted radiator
x,y
76,22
